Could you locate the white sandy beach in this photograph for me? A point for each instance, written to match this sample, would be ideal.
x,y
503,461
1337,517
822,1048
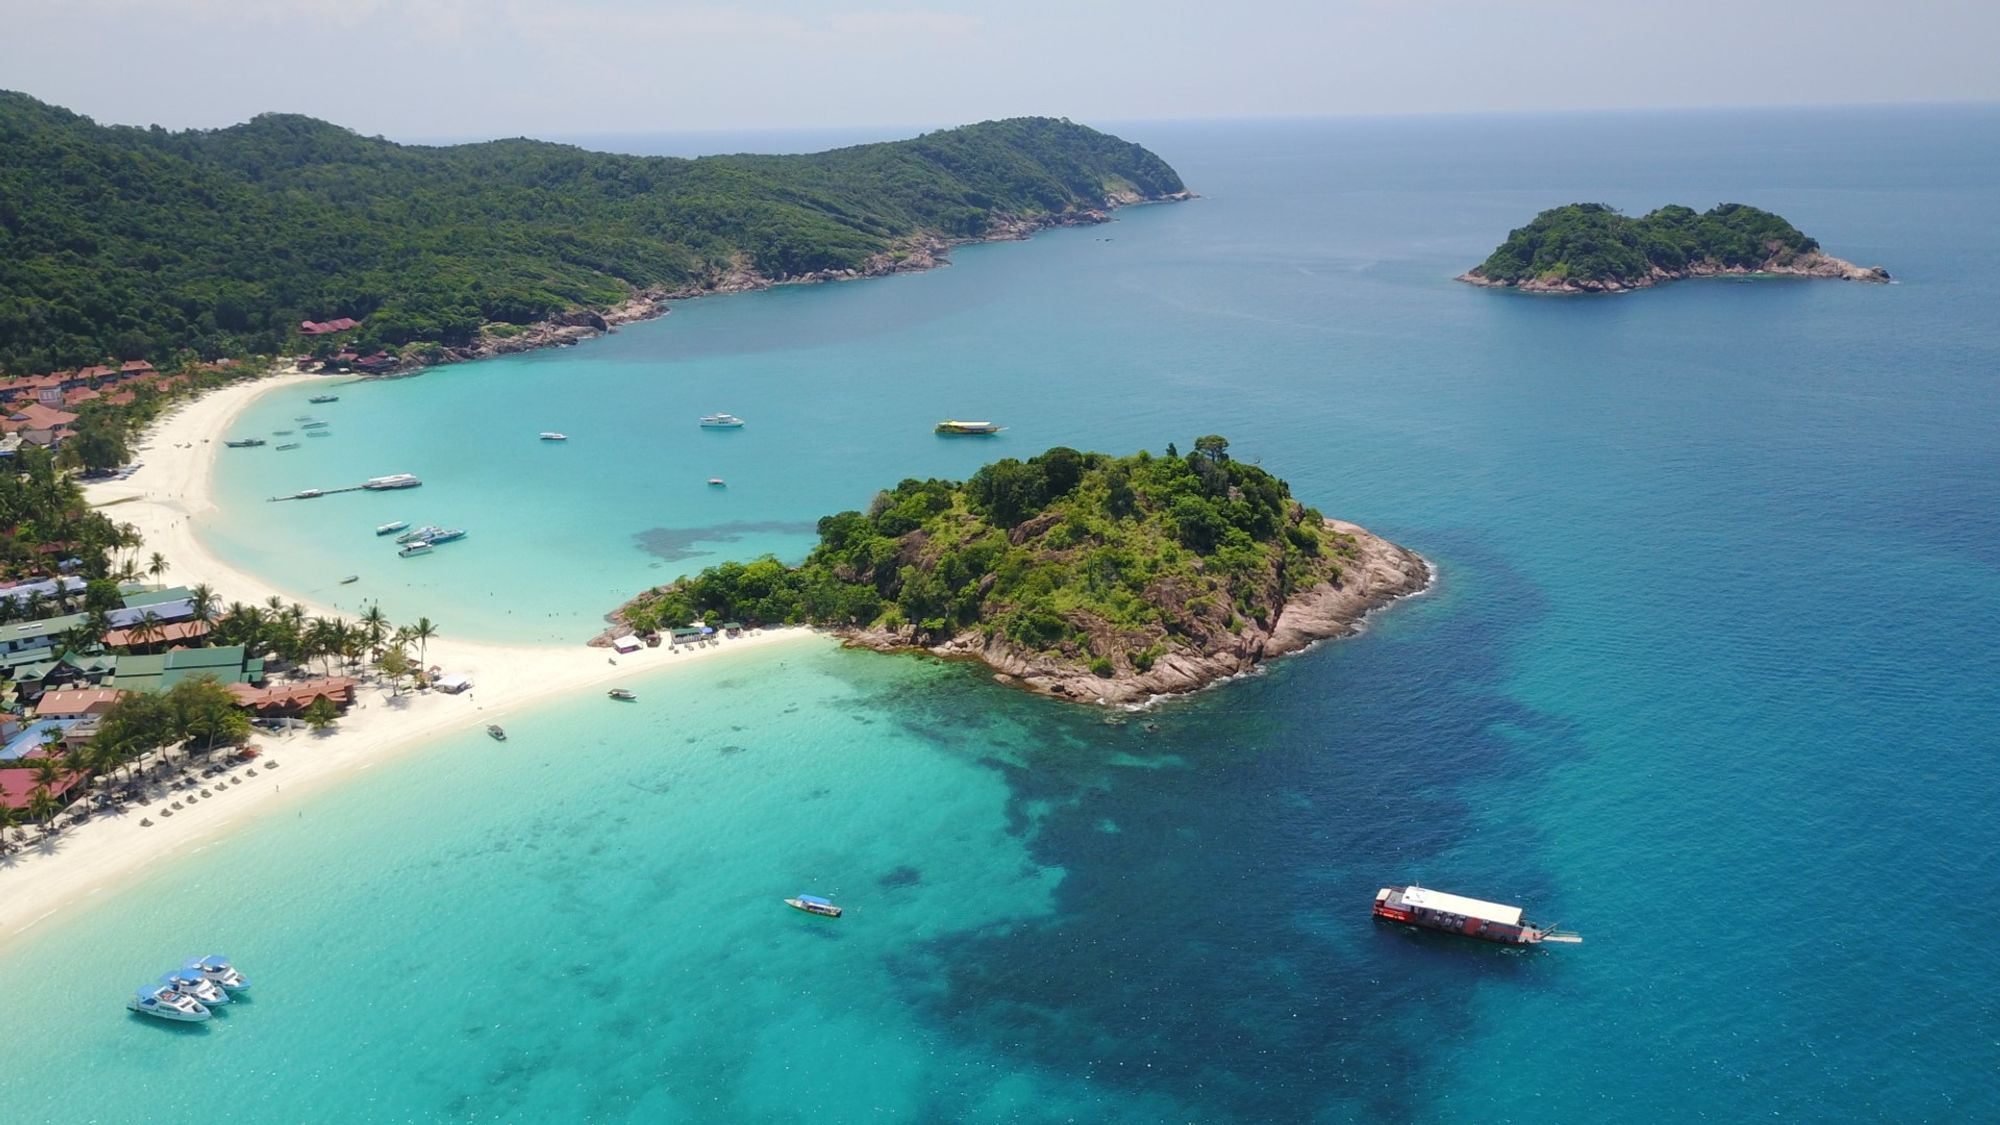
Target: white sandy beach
x,y
160,499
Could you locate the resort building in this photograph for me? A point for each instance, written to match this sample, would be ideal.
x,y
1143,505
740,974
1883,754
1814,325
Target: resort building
x,y
20,592
160,636
17,787
76,703
229,664
288,700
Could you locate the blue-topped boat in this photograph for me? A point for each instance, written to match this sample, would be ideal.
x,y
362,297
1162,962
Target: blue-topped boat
x,y
219,970
195,986
164,1002
813,904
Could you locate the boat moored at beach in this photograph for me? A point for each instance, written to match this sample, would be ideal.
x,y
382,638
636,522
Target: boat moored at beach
x,y
244,443
721,422
219,970
414,548
813,904
1469,917
392,481
324,398
391,527
289,445
446,535
955,426
350,580
424,533
621,694
315,425
194,984
163,1002
497,733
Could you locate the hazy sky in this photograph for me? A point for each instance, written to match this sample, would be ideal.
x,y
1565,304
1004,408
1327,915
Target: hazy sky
x,y
436,68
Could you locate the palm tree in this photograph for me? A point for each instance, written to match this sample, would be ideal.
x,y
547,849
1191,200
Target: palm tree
x,y
239,624
148,628
157,565
79,638
49,770
201,603
43,806
323,639
375,625
10,819
422,632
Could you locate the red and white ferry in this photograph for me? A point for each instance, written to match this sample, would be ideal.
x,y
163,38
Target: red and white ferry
x,y
1471,917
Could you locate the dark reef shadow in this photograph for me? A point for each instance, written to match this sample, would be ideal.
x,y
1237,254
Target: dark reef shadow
x,y
1218,948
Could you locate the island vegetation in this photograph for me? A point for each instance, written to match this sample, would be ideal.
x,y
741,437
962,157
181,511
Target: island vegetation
x,y
124,243
1590,247
1079,574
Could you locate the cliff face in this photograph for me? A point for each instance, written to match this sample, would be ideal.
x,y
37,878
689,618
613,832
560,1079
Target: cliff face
x,y
1377,574
1814,264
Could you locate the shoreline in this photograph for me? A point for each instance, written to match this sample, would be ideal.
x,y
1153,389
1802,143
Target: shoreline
x,y
1816,264
162,499
918,253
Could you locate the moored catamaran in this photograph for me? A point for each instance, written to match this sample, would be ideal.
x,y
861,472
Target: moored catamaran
x,y
1469,917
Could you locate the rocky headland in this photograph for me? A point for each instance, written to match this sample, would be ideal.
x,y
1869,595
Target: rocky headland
x,y
1081,576
1377,574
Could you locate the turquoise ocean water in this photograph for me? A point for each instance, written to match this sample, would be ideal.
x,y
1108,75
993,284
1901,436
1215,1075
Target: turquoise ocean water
x,y
1712,676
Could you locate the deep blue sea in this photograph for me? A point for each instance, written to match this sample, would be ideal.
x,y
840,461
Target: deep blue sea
x,y
1712,676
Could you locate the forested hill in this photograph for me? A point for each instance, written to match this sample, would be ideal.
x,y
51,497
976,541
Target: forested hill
x,y
1084,575
126,243
1589,246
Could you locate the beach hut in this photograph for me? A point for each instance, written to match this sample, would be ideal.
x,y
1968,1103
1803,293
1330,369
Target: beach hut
x,y
687,635
733,628
454,683
627,643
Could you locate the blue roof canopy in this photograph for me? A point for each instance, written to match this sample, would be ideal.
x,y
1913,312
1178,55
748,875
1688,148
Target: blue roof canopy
x,y
815,900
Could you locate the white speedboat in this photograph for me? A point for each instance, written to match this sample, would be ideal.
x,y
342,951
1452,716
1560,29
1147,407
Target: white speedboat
x,y
392,527
219,970
167,1004
720,422
425,532
414,548
195,986
551,435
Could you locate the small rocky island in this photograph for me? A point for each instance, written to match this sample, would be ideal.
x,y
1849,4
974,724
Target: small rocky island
x,y
1590,248
1082,576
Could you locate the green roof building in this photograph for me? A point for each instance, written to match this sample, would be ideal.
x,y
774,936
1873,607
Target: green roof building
x,y
160,672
